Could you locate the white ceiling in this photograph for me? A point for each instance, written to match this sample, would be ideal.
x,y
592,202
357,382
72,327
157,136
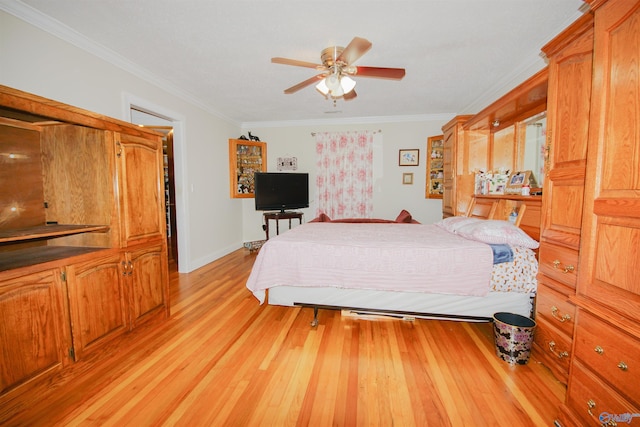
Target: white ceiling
x,y
459,54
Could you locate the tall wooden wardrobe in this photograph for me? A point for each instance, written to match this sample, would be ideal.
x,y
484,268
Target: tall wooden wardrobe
x,y
604,372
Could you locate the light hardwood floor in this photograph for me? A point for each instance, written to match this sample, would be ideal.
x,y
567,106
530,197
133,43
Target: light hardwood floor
x,y
224,360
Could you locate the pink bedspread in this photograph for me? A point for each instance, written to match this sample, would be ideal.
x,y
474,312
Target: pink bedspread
x,y
403,257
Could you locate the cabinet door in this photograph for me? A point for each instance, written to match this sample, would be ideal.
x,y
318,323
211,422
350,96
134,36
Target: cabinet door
x,y
148,283
610,248
34,329
97,301
141,194
568,106
453,155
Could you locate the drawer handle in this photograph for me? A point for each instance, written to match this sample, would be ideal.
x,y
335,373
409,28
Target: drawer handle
x,y
599,350
623,366
552,348
567,269
563,318
590,405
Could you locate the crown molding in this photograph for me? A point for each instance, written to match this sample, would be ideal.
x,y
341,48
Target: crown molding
x,y
63,32
442,117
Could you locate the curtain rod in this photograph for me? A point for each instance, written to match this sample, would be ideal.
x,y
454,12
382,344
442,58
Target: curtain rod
x,y
375,131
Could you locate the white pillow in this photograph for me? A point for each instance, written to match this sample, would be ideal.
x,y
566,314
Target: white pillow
x,y
497,231
453,223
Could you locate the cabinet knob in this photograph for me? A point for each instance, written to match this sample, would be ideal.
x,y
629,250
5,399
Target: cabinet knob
x,y
560,355
599,350
124,268
591,404
563,318
623,366
567,268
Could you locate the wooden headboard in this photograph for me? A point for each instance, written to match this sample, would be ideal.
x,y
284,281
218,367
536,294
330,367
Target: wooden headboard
x,y
500,206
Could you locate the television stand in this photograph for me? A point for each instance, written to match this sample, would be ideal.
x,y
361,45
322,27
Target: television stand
x,y
277,216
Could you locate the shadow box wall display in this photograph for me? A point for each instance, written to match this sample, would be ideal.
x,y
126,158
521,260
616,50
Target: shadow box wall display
x,y
245,159
435,167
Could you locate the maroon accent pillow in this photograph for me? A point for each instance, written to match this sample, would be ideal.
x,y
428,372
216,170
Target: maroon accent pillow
x,y
404,217
321,218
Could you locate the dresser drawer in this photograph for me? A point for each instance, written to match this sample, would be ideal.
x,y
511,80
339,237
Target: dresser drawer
x,y
555,308
555,345
611,352
595,403
559,263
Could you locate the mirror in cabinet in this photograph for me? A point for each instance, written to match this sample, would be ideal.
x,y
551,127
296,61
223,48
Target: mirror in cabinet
x,y
533,134
435,169
520,147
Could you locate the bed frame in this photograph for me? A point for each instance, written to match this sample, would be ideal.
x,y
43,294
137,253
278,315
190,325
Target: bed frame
x,y
406,305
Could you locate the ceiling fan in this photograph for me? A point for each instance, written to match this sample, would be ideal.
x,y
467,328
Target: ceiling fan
x,y
337,66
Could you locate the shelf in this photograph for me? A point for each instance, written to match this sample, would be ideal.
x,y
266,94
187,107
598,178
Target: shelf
x,y
41,255
508,197
47,231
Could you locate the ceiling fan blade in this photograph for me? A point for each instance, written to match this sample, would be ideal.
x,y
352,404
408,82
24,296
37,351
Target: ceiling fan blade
x,y
350,95
380,72
356,48
303,84
286,61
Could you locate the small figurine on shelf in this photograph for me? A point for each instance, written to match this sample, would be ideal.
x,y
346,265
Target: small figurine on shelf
x,y
253,137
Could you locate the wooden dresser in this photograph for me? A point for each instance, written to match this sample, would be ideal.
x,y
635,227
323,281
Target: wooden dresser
x,y
604,376
568,104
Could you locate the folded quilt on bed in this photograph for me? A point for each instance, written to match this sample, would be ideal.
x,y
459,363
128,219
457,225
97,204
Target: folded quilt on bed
x,y
501,253
416,258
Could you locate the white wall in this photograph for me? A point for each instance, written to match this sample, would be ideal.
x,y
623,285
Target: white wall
x,y
35,61
390,194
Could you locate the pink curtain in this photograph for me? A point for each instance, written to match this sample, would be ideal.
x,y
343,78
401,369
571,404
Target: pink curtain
x,y
344,178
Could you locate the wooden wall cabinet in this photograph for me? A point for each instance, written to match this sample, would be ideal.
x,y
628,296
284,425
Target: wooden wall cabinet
x,y
435,169
82,235
568,105
148,296
605,367
245,159
34,329
98,302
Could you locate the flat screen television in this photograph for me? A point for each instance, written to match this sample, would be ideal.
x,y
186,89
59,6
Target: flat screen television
x,y
281,191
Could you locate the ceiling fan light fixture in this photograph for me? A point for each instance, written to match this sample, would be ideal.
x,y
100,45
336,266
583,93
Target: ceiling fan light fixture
x,y
347,84
333,81
322,87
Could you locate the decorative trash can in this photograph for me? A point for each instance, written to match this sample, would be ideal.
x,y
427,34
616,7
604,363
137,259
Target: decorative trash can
x,y
513,335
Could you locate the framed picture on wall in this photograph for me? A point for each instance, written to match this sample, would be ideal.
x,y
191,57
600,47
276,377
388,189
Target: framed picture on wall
x,y
409,157
407,178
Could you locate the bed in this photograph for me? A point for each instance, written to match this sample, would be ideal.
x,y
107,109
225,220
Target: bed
x,y
400,268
